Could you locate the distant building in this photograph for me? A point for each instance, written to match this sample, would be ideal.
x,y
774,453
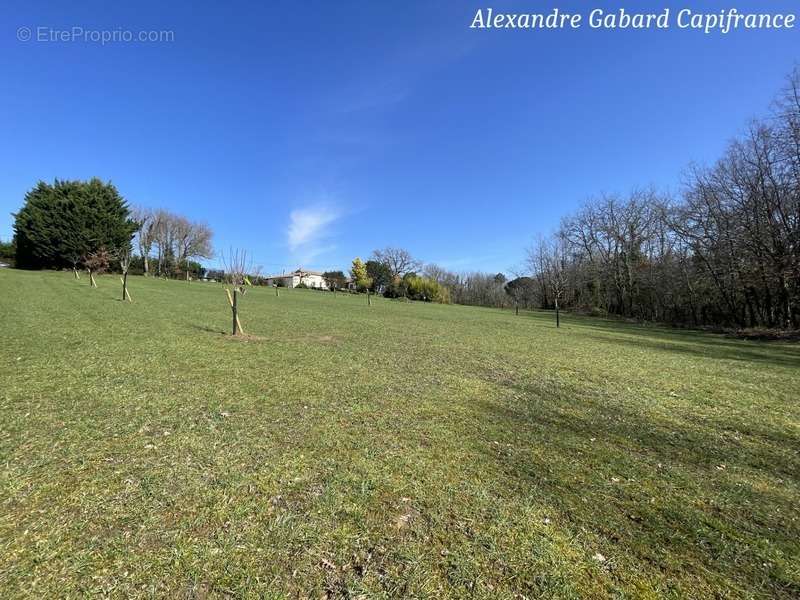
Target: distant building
x,y
312,279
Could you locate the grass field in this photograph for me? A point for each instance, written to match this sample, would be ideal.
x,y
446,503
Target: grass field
x,y
402,449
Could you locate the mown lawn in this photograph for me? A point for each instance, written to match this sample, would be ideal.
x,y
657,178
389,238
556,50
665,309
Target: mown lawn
x,y
402,449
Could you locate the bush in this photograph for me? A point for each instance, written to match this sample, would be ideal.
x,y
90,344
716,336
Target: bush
x,y
98,262
7,250
418,288
397,289
335,279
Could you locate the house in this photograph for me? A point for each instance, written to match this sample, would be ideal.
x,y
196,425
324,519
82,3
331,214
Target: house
x,y
312,279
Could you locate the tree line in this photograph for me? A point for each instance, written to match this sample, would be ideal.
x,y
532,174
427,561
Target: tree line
x,y
395,273
392,272
725,253
88,224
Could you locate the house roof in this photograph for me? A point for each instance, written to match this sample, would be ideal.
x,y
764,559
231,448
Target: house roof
x,y
305,272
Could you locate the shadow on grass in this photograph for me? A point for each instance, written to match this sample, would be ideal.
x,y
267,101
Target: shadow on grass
x,y
207,329
775,354
700,444
683,492
679,341
665,491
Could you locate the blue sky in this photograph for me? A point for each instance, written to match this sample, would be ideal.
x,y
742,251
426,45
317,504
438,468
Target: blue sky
x,y
311,132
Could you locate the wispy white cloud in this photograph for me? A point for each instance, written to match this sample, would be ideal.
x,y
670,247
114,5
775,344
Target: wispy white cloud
x,y
307,225
310,232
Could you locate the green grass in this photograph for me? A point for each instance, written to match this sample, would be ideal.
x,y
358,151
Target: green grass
x,y
402,449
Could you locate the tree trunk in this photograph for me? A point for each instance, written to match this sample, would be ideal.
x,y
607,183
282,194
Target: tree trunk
x,y
787,302
146,265
235,314
558,317
124,285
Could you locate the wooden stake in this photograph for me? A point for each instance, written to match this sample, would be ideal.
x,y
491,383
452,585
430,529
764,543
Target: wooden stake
x,y
237,323
125,293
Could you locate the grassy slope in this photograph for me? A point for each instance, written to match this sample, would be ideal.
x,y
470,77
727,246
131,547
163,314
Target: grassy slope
x,y
402,449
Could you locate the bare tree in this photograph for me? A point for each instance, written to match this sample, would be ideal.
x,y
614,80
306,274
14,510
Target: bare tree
x,y
181,237
145,235
198,243
164,240
237,266
398,260
176,240
124,256
547,264
439,274
557,273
